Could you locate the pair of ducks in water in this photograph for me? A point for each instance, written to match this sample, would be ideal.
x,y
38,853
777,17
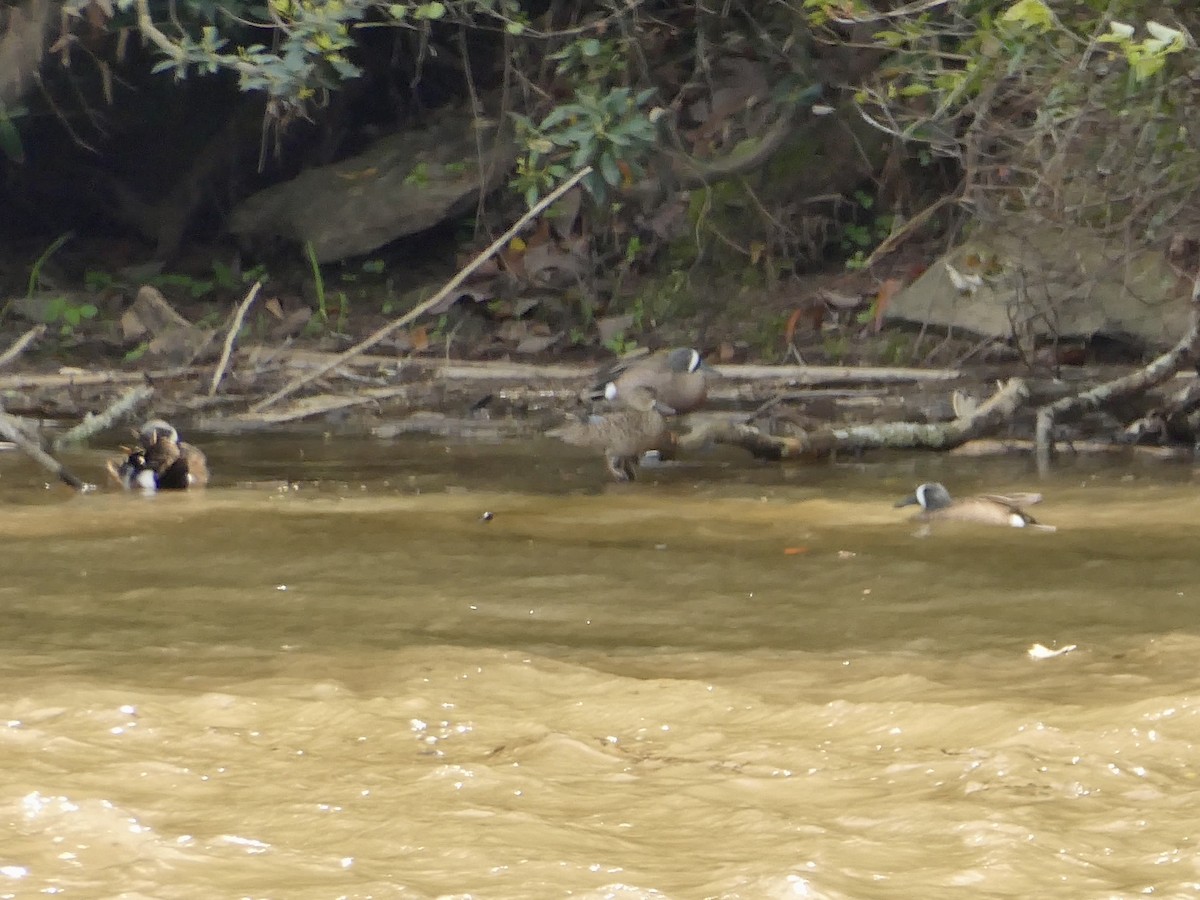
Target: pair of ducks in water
x,y
161,461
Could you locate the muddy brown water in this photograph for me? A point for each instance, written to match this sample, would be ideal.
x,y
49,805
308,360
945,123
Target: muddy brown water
x,y
327,677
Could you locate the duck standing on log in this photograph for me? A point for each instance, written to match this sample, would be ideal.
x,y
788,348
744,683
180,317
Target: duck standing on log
x,y
677,378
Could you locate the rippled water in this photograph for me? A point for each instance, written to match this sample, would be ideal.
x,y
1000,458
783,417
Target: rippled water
x,y
728,680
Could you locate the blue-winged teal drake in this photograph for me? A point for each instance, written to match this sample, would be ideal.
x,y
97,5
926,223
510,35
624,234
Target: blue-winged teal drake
x,y
676,380
622,434
161,462
987,509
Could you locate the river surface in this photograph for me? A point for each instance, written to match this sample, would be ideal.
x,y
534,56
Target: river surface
x,y
330,676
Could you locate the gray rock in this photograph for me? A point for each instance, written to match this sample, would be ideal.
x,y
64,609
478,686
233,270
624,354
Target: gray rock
x,y
403,184
1029,282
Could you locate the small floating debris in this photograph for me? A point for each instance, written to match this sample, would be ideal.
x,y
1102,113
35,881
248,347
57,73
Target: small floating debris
x,y
487,516
1041,651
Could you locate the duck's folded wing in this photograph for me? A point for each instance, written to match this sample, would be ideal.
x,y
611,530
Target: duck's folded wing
x,y
1016,500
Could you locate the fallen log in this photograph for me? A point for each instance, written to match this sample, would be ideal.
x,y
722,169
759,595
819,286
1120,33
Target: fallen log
x,y
1157,372
820,442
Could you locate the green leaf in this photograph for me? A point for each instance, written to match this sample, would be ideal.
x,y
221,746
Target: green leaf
x,y
10,139
609,168
1032,14
137,352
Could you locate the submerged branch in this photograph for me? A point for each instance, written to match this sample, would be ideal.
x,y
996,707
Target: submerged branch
x,y
11,429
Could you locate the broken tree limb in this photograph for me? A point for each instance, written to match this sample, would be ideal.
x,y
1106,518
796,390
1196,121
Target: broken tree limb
x,y
91,424
13,432
1173,420
993,412
1152,375
463,274
231,336
805,375
19,345
92,379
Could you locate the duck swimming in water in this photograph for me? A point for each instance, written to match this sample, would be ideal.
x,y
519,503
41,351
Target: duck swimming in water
x,y
986,509
162,462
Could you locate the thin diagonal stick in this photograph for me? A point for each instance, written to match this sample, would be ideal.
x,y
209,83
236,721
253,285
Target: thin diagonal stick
x,y
463,274
231,337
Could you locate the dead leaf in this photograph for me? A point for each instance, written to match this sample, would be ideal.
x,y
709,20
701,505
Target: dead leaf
x,y
565,213
887,290
359,175
810,314
540,236
419,338
540,261
840,301
291,324
489,268
536,343
512,330
789,330
525,305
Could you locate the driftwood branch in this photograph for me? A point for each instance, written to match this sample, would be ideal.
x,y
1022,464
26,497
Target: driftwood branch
x,y
231,336
519,372
463,274
1152,375
12,431
93,379
19,345
989,415
91,424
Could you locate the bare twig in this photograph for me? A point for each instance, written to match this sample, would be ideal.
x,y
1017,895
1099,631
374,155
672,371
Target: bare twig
x,y
12,431
417,311
219,373
91,424
19,345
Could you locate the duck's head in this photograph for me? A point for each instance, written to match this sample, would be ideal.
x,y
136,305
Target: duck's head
x,y
686,360
156,430
929,496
